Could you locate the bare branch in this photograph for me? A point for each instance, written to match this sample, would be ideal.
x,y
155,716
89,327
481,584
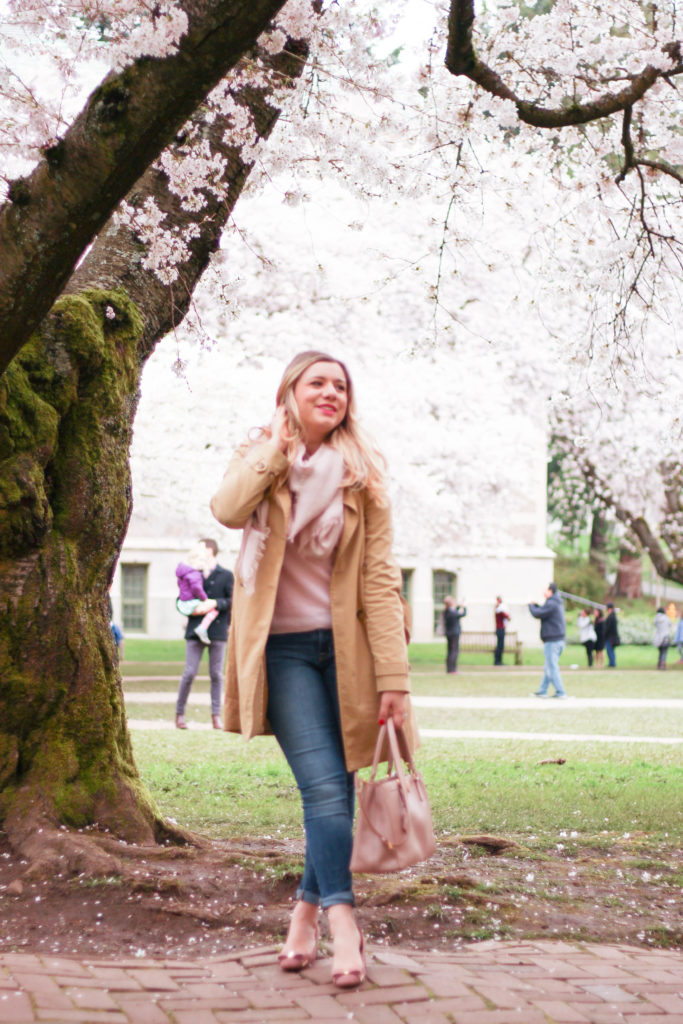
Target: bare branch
x,y
627,143
662,166
632,161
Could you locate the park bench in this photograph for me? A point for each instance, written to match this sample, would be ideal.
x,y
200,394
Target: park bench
x,y
485,642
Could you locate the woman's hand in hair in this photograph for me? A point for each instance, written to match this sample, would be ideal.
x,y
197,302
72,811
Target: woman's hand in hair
x,y
278,427
393,704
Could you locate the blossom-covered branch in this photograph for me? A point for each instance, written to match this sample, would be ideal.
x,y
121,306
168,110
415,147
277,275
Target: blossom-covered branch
x,y
54,214
191,227
462,59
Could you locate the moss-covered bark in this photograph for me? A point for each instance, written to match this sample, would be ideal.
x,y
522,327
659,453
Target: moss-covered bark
x,y
66,410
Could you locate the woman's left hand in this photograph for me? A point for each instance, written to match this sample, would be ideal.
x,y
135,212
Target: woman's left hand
x,y
393,704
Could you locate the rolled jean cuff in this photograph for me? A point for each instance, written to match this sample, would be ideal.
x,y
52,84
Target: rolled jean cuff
x,y
308,897
338,897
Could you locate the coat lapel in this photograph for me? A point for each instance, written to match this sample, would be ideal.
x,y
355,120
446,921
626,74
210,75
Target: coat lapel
x,y
282,501
352,501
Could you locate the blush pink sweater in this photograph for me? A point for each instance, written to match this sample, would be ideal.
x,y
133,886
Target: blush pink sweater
x,y
302,602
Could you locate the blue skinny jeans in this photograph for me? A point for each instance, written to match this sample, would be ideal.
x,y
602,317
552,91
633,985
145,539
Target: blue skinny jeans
x,y
552,649
303,712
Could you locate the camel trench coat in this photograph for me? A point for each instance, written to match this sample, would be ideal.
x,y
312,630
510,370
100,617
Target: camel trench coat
x,y
365,589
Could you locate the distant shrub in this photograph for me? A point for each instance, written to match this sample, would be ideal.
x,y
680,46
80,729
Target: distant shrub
x,y
577,576
636,629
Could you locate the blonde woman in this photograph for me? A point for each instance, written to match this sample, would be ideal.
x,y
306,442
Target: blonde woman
x,y
318,649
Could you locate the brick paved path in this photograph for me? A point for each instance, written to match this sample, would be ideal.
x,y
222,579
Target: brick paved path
x,y
488,983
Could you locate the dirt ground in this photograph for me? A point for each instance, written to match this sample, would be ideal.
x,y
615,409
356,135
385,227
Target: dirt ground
x,y
186,902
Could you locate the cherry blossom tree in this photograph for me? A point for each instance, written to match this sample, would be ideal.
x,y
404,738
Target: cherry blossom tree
x,y
608,74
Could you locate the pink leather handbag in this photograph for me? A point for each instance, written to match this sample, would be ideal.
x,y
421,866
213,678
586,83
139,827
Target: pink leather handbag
x,y
394,824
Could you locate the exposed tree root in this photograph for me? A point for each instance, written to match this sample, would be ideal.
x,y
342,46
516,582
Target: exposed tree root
x,y
51,850
492,844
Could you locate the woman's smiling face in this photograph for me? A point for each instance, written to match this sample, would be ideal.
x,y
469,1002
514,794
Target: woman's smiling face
x,y
321,395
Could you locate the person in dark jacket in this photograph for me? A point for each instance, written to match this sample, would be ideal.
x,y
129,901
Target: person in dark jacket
x,y
218,584
599,627
553,632
611,635
453,613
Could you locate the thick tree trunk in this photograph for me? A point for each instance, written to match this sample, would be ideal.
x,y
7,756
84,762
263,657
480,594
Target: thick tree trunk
x,y
67,404
597,555
665,551
66,412
629,581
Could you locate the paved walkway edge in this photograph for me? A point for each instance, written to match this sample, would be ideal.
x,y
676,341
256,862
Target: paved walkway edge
x,y
487,983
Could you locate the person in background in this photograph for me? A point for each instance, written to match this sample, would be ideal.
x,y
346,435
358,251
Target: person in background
x,y
671,611
612,639
678,639
587,634
218,584
553,632
502,616
599,648
453,613
116,633
662,636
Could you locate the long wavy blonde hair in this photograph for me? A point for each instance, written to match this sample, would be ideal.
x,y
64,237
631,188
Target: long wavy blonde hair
x,y
364,464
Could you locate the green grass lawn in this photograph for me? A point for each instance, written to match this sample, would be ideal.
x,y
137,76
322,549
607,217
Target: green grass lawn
x,y
216,784
520,682
628,656
554,719
139,649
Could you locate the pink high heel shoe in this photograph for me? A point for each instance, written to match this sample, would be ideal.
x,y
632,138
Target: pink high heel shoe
x,y
351,979
298,961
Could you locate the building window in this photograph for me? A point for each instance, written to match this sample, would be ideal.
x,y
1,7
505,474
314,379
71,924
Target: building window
x,y
134,598
443,583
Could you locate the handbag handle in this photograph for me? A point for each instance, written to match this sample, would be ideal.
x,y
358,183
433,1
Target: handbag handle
x,y
394,760
395,757
404,753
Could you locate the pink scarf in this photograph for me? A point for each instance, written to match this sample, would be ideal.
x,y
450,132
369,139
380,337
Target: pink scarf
x,y
317,517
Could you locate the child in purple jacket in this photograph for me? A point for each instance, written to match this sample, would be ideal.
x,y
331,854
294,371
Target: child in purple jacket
x,y
191,590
